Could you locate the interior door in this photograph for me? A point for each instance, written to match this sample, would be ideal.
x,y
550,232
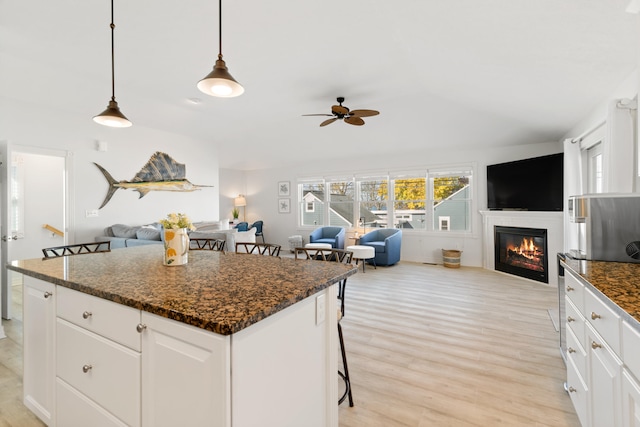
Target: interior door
x,y
34,189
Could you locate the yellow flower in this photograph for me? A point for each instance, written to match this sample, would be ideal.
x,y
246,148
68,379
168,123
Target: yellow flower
x,y
169,235
171,252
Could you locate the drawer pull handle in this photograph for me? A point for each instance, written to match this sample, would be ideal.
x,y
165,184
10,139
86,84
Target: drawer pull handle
x,y
595,316
572,390
86,314
86,368
141,327
570,319
595,345
571,350
47,294
569,289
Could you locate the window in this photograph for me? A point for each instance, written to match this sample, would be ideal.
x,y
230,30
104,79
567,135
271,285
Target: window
x,y
594,154
409,201
444,223
422,200
341,197
310,206
372,201
451,199
311,195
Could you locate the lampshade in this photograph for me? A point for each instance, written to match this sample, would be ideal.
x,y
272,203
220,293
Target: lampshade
x,y
219,82
112,117
240,201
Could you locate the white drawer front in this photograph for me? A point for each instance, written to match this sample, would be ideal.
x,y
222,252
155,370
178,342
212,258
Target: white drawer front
x,y
576,352
112,377
578,392
574,290
603,319
631,348
76,410
115,321
575,321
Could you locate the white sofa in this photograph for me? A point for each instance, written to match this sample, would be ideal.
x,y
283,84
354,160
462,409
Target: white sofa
x,y
221,230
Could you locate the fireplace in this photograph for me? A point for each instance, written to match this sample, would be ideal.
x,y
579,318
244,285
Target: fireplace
x,y
522,252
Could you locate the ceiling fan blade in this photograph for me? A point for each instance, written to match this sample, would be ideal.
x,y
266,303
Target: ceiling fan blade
x,y
352,120
328,122
364,113
330,115
339,109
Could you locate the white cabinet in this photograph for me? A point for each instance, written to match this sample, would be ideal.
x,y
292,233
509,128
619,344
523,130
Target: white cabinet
x,y
630,400
603,363
95,369
92,362
39,319
605,371
173,355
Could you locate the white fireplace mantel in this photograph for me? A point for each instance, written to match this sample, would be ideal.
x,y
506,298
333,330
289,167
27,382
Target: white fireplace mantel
x,y
551,221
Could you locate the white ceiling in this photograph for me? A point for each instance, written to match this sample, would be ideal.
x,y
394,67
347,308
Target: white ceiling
x,y
442,73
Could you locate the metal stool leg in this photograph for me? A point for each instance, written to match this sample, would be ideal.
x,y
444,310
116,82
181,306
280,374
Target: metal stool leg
x,y
345,376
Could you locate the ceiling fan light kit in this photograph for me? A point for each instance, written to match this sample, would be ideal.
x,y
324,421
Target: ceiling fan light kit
x,y
219,82
112,116
340,112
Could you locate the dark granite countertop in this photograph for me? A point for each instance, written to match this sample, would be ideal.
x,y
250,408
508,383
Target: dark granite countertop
x,y
618,281
220,292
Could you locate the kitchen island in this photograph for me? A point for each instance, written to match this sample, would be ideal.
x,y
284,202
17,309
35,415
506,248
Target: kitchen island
x,y
602,323
228,340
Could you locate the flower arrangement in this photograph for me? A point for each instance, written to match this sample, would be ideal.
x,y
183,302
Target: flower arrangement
x,y
236,213
176,221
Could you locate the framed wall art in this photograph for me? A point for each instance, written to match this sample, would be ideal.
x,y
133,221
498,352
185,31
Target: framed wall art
x,y
284,205
284,188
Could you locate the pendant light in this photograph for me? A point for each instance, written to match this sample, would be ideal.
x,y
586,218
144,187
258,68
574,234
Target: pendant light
x,y
112,115
219,82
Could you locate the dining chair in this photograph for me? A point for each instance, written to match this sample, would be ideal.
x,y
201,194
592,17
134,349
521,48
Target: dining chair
x,y
199,244
269,249
345,257
76,249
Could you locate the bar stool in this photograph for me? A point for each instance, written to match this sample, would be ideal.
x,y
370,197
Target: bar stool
x,y
322,253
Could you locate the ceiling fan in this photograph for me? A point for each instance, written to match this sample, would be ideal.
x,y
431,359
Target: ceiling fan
x,y
340,112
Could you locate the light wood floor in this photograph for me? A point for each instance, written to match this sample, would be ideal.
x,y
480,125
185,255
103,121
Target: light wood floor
x,y
435,346
427,346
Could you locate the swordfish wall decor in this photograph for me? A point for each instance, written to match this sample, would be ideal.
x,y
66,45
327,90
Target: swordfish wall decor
x,y
161,173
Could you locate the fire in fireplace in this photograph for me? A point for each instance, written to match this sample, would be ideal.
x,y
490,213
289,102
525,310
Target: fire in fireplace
x,y
522,251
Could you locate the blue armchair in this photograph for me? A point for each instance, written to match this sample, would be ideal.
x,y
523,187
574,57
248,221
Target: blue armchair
x,y
332,235
386,242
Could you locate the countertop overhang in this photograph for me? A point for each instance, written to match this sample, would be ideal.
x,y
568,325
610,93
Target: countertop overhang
x,y
619,282
217,291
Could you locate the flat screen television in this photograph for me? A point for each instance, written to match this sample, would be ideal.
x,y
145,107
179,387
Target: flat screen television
x,y
529,185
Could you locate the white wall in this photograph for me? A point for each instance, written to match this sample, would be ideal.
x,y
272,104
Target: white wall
x,y
620,150
129,149
262,195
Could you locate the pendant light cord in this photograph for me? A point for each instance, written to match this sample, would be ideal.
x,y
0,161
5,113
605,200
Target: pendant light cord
x,y
219,29
113,73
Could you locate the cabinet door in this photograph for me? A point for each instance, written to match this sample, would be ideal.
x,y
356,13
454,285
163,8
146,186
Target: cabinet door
x,y
185,375
605,370
39,337
630,401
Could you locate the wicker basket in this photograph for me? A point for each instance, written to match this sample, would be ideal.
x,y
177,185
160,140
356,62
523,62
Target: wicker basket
x,y
451,258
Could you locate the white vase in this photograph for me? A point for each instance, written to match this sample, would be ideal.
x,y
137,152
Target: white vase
x,y
176,246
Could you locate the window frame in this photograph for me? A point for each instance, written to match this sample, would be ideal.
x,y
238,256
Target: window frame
x,y
387,204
